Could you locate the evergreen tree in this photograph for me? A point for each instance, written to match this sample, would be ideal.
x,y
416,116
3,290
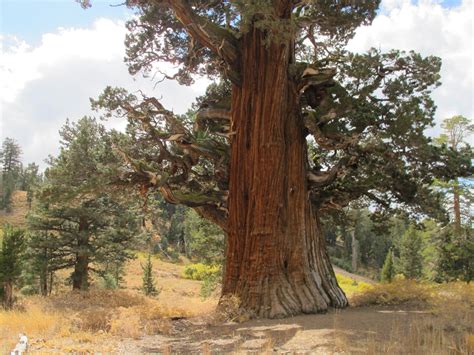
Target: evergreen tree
x,y
84,222
10,263
243,162
456,130
205,240
149,286
455,255
30,178
411,260
388,269
10,156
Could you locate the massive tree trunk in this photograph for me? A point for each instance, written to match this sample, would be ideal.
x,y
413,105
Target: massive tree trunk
x,y
276,260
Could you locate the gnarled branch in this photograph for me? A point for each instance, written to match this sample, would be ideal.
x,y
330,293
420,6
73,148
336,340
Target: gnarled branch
x,y
209,34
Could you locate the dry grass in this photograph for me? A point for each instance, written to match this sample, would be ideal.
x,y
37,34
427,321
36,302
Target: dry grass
x,y
94,320
395,293
16,218
176,292
98,319
448,328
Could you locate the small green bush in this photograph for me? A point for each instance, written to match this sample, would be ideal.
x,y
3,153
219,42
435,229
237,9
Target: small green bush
x,y
201,271
108,282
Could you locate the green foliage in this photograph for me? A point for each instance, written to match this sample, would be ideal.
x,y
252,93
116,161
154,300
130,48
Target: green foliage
x,y
10,162
109,282
211,282
200,271
77,219
351,286
10,262
342,263
205,240
148,280
10,255
411,260
455,255
388,269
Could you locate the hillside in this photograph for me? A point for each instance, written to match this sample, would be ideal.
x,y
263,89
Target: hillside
x,y
17,216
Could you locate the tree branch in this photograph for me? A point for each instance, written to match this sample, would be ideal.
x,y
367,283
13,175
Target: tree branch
x,y
208,34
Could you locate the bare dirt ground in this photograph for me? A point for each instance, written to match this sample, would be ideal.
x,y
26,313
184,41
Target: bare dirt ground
x,y
350,331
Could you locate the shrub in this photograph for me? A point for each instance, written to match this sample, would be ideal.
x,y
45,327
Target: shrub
x,y
201,271
397,292
351,286
108,282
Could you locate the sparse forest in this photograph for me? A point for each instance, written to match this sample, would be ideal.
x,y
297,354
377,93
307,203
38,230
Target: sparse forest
x,y
303,180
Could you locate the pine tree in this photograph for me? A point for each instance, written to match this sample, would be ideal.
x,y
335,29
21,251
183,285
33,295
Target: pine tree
x,y
388,269
242,159
10,262
10,155
149,286
455,249
411,259
30,178
84,222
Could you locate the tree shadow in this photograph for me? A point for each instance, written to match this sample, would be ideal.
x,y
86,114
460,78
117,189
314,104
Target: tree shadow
x,y
355,330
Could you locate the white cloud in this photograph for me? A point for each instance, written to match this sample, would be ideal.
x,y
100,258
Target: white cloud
x,y
430,29
42,86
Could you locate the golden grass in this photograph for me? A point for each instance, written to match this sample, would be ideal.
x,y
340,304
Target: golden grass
x,y
448,328
31,320
96,320
85,318
397,292
176,293
16,218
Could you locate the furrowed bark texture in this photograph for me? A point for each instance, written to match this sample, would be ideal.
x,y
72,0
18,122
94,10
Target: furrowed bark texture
x,y
276,260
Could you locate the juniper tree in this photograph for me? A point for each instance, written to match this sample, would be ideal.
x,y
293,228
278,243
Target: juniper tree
x,y
243,162
86,223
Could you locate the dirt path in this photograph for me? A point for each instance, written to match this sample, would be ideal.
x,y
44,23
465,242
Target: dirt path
x,y
343,272
352,331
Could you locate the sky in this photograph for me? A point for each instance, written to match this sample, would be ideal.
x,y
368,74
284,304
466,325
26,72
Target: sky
x,y
54,56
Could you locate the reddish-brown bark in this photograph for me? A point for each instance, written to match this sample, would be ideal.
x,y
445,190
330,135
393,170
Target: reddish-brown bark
x,y
276,260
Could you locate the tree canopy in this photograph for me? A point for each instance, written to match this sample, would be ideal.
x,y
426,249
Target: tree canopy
x,y
365,114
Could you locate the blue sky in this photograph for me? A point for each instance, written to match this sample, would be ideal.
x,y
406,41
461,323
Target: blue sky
x,y
29,19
